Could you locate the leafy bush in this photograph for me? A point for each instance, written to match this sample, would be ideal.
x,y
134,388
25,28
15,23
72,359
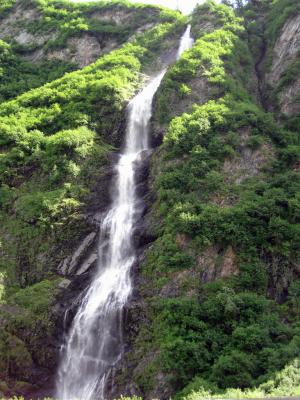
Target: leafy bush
x,y
55,141
62,20
230,333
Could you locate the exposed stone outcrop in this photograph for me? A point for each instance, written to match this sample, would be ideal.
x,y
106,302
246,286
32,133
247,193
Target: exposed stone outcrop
x,y
80,260
13,25
286,48
216,263
286,52
81,49
289,98
249,161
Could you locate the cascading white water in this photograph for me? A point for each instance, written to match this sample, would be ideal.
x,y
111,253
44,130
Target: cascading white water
x,y
186,41
94,344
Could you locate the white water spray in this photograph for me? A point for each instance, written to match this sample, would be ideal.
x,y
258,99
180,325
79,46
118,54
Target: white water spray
x,y
186,42
94,344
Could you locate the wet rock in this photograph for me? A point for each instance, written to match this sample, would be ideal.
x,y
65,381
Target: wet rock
x,y
142,235
64,284
86,265
70,264
100,195
63,266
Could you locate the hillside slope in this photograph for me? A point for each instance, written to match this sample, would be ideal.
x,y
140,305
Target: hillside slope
x,y
218,291
215,309
57,145
42,40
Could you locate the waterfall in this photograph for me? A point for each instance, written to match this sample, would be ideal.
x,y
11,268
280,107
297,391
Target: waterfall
x,y
94,343
186,42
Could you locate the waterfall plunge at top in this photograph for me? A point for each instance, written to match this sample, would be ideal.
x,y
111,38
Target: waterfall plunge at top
x,y
94,344
186,41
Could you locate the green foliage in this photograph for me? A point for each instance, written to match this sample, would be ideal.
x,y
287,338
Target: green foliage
x,y
55,141
230,338
280,11
239,339
289,75
229,333
212,56
35,299
285,383
215,15
18,76
5,6
25,317
14,357
210,338
57,22
70,19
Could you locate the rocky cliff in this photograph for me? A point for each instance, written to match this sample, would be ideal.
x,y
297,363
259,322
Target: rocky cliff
x,y
51,204
282,72
215,304
42,41
221,263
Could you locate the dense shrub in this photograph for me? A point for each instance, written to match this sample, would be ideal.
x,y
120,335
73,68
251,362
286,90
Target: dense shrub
x,y
62,20
230,333
55,141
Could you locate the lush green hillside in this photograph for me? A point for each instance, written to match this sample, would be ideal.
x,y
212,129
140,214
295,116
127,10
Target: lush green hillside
x,y
50,38
221,281
216,306
55,143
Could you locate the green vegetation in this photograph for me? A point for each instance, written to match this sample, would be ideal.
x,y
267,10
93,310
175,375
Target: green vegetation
x,y
206,59
18,76
5,6
55,23
26,327
212,333
221,280
54,138
19,398
55,141
69,19
285,383
279,12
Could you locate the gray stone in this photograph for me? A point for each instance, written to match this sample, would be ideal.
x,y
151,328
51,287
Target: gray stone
x,y
85,244
64,284
63,266
71,263
85,266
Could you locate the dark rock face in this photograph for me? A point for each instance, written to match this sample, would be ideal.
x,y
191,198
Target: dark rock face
x,y
77,270
79,267
100,197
